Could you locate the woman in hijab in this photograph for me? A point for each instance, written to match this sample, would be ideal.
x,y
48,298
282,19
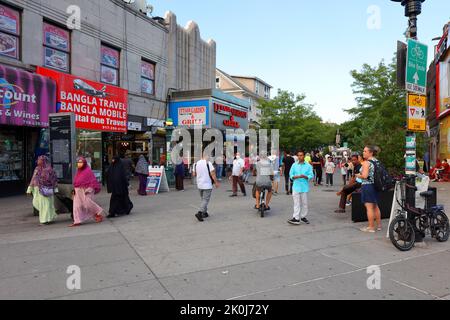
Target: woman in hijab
x,y
43,187
86,186
142,172
117,182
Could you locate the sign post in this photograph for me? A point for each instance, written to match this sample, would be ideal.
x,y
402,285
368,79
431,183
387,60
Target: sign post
x,y
416,67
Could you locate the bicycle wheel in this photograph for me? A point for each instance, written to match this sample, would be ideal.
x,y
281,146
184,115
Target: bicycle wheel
x,y
262,210
402,234
441,227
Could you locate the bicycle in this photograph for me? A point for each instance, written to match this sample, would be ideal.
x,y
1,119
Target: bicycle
x,y
409,220
262,202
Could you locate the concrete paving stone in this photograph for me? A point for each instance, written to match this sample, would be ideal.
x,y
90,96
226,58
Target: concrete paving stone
x,y
38,247
343,287
61,260
232,281
146,290
55,232
378,252
53,284
204,259
429,273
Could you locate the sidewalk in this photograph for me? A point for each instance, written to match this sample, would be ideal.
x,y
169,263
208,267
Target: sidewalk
x,y
162,252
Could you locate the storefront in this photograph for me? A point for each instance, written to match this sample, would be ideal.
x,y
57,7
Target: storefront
x,y
443,94
99,110
26,100
210,109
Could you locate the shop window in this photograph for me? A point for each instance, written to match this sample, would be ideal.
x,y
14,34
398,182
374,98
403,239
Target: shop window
x,y
11,156
148,78
10,32
110,65
56,47
89,145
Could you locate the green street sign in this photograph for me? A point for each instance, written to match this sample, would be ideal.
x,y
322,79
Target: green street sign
x,y
416,67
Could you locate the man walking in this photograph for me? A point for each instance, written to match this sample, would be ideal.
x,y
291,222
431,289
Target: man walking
x,y
206,178
237,175
301,173
317,165
288,162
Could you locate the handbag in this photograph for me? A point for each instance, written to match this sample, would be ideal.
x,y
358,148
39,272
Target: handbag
x,y
47,191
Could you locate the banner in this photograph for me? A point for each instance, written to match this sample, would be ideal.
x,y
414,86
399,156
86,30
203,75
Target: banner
x,y
157,181
96,106
26,99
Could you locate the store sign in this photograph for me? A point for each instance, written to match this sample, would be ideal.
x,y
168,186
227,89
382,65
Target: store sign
x,y
96,106
26,99
192,116
226,110
232,123
417,120
134,126
443,45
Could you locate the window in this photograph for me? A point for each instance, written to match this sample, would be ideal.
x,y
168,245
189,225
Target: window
x,y
148,78
56,47
267,92
9,32
217,83
257,87
110,65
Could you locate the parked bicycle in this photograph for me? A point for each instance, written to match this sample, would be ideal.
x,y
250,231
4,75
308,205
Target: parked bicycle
x,y
410,220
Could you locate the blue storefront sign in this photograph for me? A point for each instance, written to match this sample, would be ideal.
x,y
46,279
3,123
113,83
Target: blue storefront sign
x,y
190,113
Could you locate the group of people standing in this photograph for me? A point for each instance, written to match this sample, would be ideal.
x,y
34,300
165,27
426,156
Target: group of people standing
x,y
44,187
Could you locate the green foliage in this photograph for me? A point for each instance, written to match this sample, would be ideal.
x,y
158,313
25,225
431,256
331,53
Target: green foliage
x,y
300,127
380,117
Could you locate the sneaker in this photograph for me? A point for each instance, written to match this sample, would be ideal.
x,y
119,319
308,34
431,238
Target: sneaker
x,y
304,220
205,215
199,216
294,222
348,204
233,196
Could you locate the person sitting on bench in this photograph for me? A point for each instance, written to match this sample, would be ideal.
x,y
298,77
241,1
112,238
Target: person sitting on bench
x,y
350,188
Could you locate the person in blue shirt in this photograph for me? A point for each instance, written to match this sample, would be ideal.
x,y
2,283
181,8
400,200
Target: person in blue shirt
x,y
301,173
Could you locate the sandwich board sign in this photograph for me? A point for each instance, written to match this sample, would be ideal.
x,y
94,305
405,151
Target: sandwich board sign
x,y
416,67
157,181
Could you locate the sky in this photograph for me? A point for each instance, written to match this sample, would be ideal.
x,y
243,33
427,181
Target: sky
x,y
306,47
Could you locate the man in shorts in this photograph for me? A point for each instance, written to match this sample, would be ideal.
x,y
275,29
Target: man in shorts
x,y
264,178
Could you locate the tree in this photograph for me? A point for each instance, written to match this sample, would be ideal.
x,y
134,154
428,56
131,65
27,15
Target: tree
x,y
380,117
300,127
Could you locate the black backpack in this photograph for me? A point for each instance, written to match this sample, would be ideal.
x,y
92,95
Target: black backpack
x,y
381,178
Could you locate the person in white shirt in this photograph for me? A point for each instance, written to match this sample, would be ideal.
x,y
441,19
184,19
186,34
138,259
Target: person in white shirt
x,y
330,169
206,179
236,177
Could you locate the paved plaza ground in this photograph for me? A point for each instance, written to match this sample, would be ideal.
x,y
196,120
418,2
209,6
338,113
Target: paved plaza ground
x,y
162,252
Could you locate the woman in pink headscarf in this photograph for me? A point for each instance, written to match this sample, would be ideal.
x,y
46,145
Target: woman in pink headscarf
x,y
86,186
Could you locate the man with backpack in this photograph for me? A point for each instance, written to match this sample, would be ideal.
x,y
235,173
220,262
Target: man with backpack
x,y
206,178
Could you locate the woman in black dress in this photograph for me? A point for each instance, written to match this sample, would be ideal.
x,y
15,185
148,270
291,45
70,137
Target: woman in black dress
x,y
117,183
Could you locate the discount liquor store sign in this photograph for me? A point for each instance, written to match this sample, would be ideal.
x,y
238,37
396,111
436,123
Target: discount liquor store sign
x,y
96,106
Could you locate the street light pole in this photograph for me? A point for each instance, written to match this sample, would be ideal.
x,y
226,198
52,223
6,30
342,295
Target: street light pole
x,y
413,8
